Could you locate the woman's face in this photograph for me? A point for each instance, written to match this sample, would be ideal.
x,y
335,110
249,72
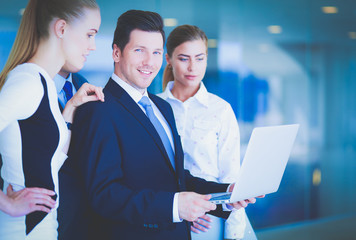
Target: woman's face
x,y
189,63
79,39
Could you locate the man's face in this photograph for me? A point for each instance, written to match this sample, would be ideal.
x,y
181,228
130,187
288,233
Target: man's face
x,y
140,60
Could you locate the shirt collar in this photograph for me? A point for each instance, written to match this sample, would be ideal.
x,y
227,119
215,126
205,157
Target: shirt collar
x,y
59,81
167,92
201,96
133,92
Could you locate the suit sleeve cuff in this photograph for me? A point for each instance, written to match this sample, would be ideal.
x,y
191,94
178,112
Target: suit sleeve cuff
x,y
176,217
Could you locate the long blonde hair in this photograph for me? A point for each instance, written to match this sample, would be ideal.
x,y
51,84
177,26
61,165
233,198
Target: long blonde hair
x,y
181,34
34,26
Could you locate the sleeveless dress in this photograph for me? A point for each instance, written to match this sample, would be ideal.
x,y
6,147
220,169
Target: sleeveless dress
x,y
32,136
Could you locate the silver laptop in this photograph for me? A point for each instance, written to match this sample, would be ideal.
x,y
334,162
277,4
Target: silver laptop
x,y
264,163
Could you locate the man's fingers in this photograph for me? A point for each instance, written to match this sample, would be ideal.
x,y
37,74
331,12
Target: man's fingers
x,y
231,188
205,197
202,201
206,204
243,204
192,205
236,205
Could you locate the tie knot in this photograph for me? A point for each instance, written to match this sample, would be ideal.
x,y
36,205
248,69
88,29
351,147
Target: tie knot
x,y
145,102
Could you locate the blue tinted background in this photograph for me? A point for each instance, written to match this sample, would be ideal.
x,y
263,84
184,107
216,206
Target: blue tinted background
x,y
306,75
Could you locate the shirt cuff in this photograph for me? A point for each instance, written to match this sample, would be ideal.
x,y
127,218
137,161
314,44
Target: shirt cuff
x,y
228,208
176,217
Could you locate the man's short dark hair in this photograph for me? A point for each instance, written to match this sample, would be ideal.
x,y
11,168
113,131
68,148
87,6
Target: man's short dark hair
x,y
136,19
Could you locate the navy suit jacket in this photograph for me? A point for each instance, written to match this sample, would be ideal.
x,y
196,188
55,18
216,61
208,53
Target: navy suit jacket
x,y
128,179
69,210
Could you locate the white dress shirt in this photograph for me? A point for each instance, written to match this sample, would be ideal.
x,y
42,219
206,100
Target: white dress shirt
x,y
136,96
59,82
211,142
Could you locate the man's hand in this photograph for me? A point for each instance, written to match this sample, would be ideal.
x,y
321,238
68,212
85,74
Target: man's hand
x,y
192,205
202,224
244,203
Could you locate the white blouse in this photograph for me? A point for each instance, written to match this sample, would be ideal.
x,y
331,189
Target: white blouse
x,y
211,141
209,133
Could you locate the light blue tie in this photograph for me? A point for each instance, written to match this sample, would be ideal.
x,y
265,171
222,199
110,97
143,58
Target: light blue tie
x,y
145,103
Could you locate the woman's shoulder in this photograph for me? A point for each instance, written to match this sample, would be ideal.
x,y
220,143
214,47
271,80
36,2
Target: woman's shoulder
x,y
22,91
216,100
25,74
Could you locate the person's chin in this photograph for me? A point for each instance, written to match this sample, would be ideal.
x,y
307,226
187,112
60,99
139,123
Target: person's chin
x,y
74,66
145,83
78,67
147,80
193,83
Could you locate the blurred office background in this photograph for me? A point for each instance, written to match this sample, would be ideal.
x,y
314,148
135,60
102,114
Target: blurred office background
x,y
275,62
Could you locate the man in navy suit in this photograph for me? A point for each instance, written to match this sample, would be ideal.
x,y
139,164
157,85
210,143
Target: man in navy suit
x,y
68,211
133,176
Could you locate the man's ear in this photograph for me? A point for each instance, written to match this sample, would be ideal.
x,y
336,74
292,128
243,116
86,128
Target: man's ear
x,y
116,53
60,27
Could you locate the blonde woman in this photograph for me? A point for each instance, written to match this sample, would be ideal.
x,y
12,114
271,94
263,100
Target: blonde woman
x,y
205,122
33,132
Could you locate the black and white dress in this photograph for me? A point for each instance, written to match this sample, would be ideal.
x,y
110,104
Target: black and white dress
x,y
32,136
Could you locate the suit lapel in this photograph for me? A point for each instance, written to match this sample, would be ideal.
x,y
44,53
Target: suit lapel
x,y
131,106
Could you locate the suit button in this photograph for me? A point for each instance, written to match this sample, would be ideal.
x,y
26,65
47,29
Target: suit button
x,y
145,225
155,226
150,226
